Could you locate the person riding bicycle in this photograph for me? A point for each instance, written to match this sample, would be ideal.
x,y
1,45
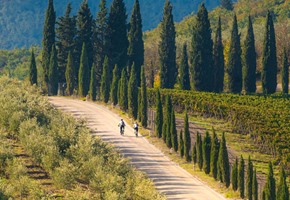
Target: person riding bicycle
x,y
136,127
122,126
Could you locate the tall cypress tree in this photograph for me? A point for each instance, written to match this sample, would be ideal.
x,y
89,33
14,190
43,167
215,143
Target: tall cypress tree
x,y
283,191
70,75
93,86
223,163
166,117
167,49
48,39
250,179
105,82
234,63
214,155
270,187
32,69
199,152
114,87
139,102
187,140
227,4
206,148
269,58
65,33
117,25
144,104
53,73
285,73
173,131
255,186
202,48
159,115
123,100
235,175
218,58
181,144
184,80
241,177
194,154
250,65
84,73
132,93
136,44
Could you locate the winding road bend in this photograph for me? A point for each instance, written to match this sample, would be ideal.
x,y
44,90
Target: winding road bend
x,y
169,179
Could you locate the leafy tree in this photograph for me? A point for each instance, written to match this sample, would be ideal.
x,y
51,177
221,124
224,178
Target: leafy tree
x,y
285,73
184,80
70,75
114,87
269,58
206,149
187,139
173,131
166,118
194,154
283,191
255,186
181,144
241,177
144,114
159,115
250,179
223,163
218,59
105,82
48,39
136,44
250,64
214,155
234,62
93,86
123,100
53,73
235,175
132,93
199,152
32,69
227,4
84,73
167,49
202,48
270,186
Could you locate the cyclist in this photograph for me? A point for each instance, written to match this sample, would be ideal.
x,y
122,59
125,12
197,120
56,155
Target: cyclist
x,y
122,126
136,127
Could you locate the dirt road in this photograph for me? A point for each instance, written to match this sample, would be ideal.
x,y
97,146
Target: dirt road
x,y
168,177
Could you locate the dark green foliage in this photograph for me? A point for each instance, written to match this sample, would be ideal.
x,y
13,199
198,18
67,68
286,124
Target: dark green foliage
x,y
270,186
255,186
234,68
114,87
227,4
48,39
65,33
144,103
202,48
32,69
206,149
105,82
218,59
123,100
269,58
53,73
173,132
159,115
194,154
133,93
250,65
285,73
93,86
250,179
166,117
84,73
199,151
223,163
283,191
235,175
184,80
187,139
181,144
136,44
139,107
241,177
167,48
70,75
214,155
117,25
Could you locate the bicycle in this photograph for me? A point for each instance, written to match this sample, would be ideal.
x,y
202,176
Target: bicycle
x,y
122,130
136,132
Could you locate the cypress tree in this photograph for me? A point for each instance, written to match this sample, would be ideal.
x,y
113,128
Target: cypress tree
x,y
32,69
139,107
269,58
119,90
285,73
214,155
250,65
143,99
173,131
235,175
93,86
255,186
84,73
194,154
184,80
53,73
227,4
223,163
202,48
114,87
187,139
65,33
48,39
241,177
70,75
136,44
283,191
159,115
234,63
270,187
166,118
181,144
117,26
199,152
250,179
105,82
218,59
206,148
123,100
132,93
167,49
